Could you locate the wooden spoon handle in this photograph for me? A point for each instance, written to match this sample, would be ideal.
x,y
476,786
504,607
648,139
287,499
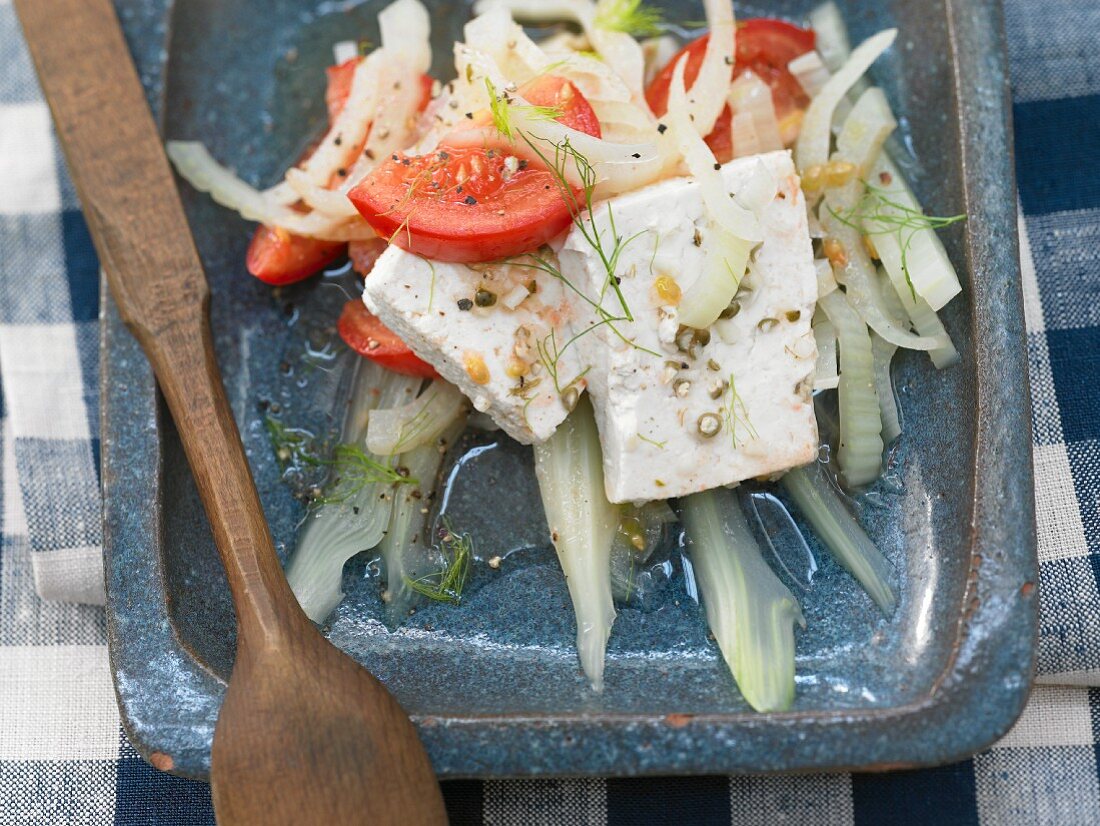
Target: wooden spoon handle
x,y
183,360
140,231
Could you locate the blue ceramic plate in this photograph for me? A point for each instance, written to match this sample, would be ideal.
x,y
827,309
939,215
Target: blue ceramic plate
x,y
494,685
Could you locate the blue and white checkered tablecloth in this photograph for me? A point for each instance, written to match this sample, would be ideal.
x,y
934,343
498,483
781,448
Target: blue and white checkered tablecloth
x,y
63,756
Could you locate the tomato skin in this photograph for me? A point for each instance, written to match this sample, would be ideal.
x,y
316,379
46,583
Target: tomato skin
x,y
277,257
559,93
364,254
471,203
763,45
364,333
418,204
339,79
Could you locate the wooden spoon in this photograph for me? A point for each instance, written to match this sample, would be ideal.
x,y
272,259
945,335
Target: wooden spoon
x,y
305,736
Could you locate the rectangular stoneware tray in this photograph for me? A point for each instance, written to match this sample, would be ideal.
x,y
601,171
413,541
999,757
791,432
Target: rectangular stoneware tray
x,y
494,685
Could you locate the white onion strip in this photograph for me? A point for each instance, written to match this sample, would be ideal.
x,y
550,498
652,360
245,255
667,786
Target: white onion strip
x,y
831,35
331,202
708,91
733,231
351,125
405,28
701,164
618,167
865,130
750,95
621,51
195,164
810,72
745,140
859,275
394,126
812,147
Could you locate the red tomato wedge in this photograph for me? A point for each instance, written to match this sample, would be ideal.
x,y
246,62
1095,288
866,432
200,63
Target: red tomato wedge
x,y
365,334
277,257
338,90
474,203
364,254
765,46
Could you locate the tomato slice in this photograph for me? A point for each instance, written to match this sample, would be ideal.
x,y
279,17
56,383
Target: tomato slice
x,y
557,93
362,331
338,90
364,254
476,203
765,46
278,257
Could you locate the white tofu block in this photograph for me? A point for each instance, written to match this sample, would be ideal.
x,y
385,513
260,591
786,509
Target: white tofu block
x,y
482,350
755,374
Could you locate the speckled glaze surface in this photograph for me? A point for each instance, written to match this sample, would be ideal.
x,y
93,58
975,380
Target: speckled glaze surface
x,y
494,685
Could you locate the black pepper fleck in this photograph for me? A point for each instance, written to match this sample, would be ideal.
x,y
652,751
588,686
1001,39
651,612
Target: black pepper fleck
x,y
470,200
661,128
465,304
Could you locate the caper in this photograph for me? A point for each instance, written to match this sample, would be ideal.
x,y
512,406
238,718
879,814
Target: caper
x,y
709,424
732,310
793,315
485,298
685,339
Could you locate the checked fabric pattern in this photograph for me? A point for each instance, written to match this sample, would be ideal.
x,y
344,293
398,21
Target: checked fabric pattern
x,y
63,756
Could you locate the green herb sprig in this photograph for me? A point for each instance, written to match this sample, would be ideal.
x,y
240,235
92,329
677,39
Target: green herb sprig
x,y
502,109
632,17
350,467
893,218
736,413
447,584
